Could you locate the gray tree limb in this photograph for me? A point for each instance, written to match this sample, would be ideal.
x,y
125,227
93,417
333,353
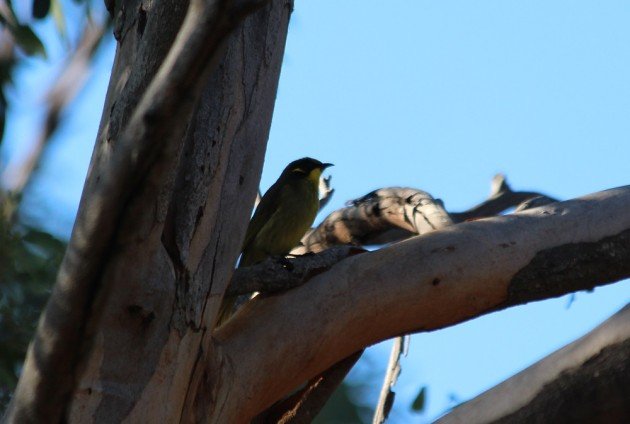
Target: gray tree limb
x,y
426,283
586,381
149,261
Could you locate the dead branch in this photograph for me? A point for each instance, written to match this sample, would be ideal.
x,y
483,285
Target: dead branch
x,y
586,381
502,197
386,398
325,191
366,218
393,214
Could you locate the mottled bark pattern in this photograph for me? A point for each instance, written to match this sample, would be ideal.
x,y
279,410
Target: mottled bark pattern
x,y
581,266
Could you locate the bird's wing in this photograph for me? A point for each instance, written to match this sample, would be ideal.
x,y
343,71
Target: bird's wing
x,y
264,211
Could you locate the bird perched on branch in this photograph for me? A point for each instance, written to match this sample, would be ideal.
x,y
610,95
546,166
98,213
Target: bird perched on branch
x,y
285,212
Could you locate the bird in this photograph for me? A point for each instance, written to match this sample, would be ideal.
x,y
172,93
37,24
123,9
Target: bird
x,y
285,212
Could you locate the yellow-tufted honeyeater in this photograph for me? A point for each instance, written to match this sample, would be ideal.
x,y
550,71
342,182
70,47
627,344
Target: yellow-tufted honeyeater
x,y
285,212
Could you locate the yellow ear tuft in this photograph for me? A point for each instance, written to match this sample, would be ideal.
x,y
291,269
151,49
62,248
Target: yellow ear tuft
x,y
314,175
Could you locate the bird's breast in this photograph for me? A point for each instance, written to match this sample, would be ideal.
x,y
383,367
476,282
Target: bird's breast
x,y
292,219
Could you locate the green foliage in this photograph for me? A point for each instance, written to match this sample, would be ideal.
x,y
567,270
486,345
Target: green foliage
x,y
341,408
29,259
419,402
40,8
28,40
24,35
60,22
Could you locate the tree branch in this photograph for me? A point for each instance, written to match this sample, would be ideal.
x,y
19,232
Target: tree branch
x,y
388,215
436,280
393,214
502,197
588,381
367,218
274,275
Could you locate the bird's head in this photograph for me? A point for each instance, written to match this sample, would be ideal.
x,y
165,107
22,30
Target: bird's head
x,y
306,168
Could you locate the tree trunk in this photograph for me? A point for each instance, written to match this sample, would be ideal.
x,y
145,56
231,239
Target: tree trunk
x,y
154,336
172,179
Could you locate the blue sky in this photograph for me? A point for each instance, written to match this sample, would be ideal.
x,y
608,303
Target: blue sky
x,y
434,95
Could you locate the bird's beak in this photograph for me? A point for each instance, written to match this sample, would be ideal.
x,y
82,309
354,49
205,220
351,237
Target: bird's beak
x,y
326,165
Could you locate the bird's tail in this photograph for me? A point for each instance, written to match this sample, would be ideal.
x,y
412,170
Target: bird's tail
x,y
226,309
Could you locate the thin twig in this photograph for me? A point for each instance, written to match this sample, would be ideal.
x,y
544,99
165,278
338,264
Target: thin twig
x,y
325,191
386,398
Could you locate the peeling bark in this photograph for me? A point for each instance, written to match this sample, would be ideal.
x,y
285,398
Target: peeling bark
x,y
367,218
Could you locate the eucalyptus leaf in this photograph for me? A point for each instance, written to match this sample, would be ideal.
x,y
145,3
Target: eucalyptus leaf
x,y
419,402
29,259
60,20
41,8
28,41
